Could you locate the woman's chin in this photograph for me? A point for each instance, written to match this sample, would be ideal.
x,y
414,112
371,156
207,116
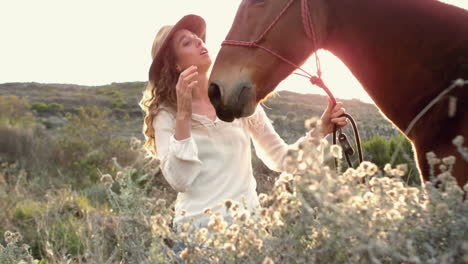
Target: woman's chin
x,y
204,66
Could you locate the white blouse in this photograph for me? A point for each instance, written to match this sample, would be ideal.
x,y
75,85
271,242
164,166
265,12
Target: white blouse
x,y
214,163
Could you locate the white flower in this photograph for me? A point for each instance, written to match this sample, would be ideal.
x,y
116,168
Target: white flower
x,y
458,141
335,150
450,160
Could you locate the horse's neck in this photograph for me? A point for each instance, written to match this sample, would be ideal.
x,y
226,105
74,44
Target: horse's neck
x,y
386,46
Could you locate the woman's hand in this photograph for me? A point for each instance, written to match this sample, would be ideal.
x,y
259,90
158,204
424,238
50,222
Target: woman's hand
x,y
187,81
332,116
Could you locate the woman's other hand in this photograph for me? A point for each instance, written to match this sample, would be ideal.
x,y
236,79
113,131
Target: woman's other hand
x,y
332,116
187,81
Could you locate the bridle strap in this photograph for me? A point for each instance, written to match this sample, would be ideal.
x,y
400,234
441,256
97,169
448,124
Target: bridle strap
x,y
308,29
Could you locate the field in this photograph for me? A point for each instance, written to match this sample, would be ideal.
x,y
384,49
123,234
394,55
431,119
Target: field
x,y
76,187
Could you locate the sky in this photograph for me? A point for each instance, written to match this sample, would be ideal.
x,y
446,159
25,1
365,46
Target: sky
x,y
97,42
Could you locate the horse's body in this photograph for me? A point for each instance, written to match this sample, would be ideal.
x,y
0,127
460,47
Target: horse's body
x,y
404,53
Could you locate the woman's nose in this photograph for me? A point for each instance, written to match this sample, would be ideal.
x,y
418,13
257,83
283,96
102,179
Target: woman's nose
x,y
198,42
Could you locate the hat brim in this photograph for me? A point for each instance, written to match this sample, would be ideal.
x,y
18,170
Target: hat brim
x,y
193,23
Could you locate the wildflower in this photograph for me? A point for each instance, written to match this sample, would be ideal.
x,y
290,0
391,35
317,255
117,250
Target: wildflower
x,y
374,181
450,160
349,173
201,233
135,143
235,207
228,204
217,223
283,197
344,192
312,123
335,150
394,214
185,227
258,243
25,247
229,247
444,176
263,197
458,141
268,260
120,178
432,158
232,231
48,249
243,217
430,155
402,169
107,180
369,167
251,236
459,82
208,211
388,168
443,167
368,196
158,219
12,238
302,166
184,254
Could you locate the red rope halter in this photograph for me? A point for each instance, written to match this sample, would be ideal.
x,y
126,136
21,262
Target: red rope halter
x,y
309,31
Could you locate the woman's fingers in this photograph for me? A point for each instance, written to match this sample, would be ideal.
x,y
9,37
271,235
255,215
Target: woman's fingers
x,y
340,121
186,78
338,112
192,85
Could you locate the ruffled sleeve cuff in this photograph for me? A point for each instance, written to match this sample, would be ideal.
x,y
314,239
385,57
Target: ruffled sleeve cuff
x,y
184,149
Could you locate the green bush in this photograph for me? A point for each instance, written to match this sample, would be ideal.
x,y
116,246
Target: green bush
x,y
380,151
88,141
43,108
15,111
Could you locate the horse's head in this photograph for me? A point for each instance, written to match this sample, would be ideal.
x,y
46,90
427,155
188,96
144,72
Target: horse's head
x,y
244,74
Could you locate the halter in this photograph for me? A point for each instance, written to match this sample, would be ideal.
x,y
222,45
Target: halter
x,y
315,80
308,29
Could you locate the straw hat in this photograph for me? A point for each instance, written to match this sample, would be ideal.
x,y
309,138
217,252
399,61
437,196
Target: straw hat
x,y
194,23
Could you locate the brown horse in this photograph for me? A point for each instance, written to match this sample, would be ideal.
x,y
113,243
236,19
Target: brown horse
x,y
404,52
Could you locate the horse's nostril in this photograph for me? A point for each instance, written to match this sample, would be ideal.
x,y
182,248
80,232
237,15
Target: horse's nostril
x,y
214,93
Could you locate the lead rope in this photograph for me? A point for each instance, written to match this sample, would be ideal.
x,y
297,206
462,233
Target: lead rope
x,y
317,80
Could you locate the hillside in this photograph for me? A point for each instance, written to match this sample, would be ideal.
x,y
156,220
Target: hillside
x,y
288,110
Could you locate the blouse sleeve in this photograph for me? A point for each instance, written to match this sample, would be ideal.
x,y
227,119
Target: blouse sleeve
x,y
180,164
269,146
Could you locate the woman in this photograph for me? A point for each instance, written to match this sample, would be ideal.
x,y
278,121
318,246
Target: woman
x,y
207,161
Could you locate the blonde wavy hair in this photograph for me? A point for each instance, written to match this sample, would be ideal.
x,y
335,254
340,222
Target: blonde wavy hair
x,y
159,90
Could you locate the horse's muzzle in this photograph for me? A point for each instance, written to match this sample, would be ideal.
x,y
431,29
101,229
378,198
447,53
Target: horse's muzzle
x,y
232,105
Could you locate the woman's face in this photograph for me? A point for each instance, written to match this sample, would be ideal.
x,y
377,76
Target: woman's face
x,y
190,50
